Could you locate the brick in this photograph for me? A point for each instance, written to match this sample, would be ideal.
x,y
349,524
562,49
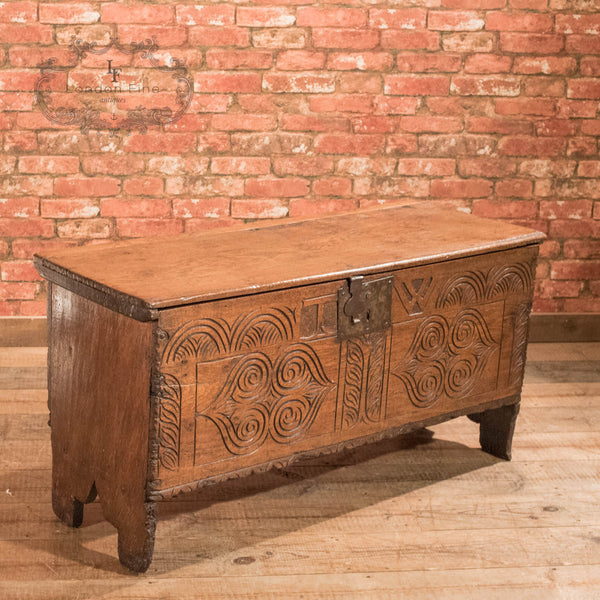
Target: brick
x,y
86,186
32,56
238,59
268,16
212,186
22,141
468,42
246,165
7,164
529,4
25,206
300,60
434,167
143,186
218,15
101,34
408,18
73,208
519,21
555,127
414,85
456,145
136,207
474,4
579,305
17,290
545,65
132,228
219,36
581,249
588,24
544,86
415,187
531,146
470,85
204,224
486,167
514,188
14,80
49,164
549,249
243,122
18,12
356,83
584,88
255,208
284,187
568,228
257,144
305,207
361,166
223,81
314,83
588,168
547,168
362,61
528,43
457,20
9,309
332,186
212,208
590,127
212,103
566,209
360,103
358,39
69,12
26,248
111,165
28,227
13,33
504,209
166,36
583,44
577,188
340,143
488,63
401,144
309,16
526,106
427,63
410,40
25,185
457,105
575,269
581,147
279,38
137,13
302,165
167,142
558,289
314,123
396,105
373,124
461,188
21,270
418,124
31,308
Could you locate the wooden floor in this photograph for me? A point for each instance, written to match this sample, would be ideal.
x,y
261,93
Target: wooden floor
x,y
426,516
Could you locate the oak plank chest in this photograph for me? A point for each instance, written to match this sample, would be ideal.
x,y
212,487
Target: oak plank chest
x,y
176,363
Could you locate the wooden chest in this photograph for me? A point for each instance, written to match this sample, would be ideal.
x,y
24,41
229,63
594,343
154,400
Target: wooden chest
x,y
175,363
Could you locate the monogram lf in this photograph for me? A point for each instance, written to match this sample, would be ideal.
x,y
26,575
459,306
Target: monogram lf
x,y
181,362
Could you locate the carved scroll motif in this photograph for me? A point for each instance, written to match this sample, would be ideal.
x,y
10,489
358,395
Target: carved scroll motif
x,y
363,394
446,357
519,353
474,287
169,422
209,338
263,399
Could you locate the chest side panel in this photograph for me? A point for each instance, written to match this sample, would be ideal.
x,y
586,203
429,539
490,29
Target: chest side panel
x,y
253,380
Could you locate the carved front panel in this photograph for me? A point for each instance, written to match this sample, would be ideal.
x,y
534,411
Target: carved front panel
x,y
254,380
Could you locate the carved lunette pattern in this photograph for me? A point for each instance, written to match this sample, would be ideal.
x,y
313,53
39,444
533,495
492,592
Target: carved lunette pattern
x,y
364,395
519,352
208,338
169,422
269,399
446,357
475,286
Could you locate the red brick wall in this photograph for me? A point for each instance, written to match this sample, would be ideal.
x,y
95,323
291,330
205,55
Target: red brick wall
x,y
303,108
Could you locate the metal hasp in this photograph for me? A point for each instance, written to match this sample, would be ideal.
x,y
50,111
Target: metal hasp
x,y
364,307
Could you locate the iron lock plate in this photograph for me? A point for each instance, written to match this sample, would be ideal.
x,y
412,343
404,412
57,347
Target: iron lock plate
x,y
364,307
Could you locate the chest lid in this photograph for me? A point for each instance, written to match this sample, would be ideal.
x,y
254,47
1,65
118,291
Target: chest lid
x,y
136,277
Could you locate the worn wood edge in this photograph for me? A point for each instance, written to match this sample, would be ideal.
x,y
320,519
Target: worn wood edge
x,y
280,463
125,304
564,327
